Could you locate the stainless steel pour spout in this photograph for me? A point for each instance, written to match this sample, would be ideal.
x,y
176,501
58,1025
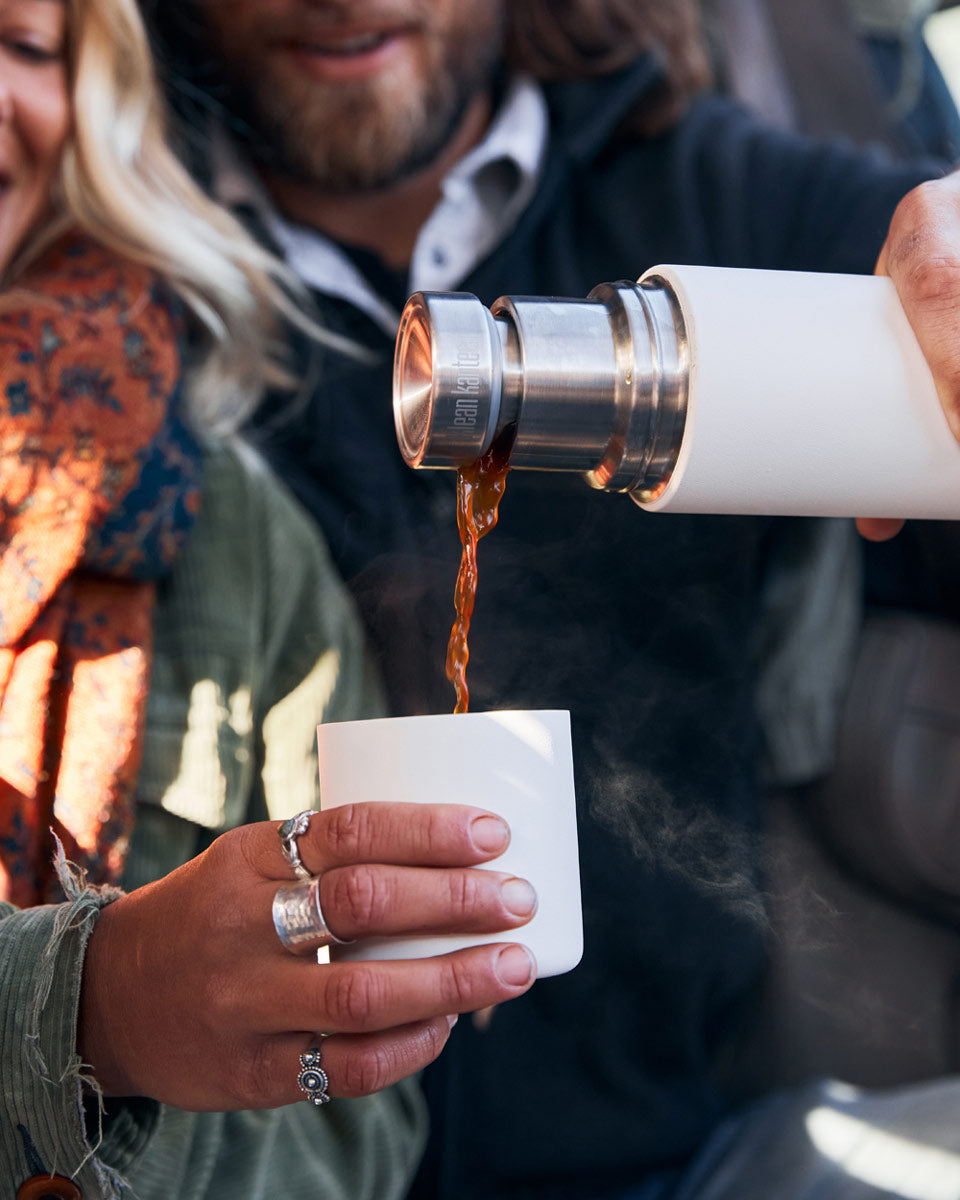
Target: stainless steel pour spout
x,y
596,385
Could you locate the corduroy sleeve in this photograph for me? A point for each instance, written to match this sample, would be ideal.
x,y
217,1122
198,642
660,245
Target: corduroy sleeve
x,y
47,1106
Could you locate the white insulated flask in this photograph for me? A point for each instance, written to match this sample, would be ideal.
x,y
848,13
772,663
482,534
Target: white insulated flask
x,y
696,389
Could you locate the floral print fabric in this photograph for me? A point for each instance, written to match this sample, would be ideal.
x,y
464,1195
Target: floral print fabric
x,y
98,485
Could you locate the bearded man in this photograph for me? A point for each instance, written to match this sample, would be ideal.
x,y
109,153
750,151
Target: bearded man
x,y
542,147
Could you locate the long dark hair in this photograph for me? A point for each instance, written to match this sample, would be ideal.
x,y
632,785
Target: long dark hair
x,y
574,39
552,40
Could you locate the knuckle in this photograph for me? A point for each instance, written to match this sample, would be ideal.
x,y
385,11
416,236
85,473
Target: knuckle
x,y
919,243
439,834
931,279
366,1072
434,833
354,997
457,984
382,1063
348,832
245,843
247,1076
433,1037
919,204
218,1001
917,210
465,892
248,843
220,854
359,901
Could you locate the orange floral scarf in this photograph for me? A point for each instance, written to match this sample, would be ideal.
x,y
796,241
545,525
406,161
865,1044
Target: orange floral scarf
x,y
98,480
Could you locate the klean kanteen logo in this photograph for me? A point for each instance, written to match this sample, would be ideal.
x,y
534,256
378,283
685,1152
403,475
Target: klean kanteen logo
x,y
467,367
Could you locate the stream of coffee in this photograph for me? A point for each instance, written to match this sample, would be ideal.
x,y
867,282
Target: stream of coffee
x,y
480,488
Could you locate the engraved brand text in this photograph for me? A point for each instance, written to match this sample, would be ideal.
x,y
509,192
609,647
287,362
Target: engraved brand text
x,y
467,367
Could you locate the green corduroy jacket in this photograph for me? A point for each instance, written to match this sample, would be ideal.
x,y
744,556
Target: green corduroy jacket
x,y
255,643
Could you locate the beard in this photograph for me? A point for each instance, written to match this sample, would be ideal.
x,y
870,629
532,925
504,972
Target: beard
x,y
364,136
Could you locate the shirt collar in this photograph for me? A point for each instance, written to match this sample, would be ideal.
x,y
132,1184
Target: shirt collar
x,y
482,197
518,133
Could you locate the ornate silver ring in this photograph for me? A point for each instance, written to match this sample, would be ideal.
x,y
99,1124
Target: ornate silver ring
x,y
289,831
298,918
313,1078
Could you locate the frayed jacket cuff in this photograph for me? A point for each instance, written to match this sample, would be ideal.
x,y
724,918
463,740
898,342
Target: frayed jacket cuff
x,y
50,1114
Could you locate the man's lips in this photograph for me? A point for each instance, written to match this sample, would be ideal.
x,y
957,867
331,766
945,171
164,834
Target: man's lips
x,y
346,54
345,46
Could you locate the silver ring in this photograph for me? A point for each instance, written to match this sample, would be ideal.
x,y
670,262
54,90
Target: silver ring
x,y
289,831
313,1078
298,918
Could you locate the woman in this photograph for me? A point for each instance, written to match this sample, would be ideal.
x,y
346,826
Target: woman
x,y
170,634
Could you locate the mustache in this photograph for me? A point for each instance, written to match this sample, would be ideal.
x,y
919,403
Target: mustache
x,y
323,16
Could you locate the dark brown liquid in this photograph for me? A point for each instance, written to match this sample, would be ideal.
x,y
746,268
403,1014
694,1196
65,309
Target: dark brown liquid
x,y
480,487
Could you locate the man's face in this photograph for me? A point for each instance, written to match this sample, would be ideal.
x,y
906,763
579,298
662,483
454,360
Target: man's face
x,y
352,95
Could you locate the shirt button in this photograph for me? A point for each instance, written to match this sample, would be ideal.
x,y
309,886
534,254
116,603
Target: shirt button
x,y
439,256
48,1187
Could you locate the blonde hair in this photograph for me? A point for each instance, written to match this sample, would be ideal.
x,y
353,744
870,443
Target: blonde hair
x,y
122,183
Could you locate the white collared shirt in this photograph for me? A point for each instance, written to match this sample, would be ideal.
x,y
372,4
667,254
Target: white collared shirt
x,y
482,197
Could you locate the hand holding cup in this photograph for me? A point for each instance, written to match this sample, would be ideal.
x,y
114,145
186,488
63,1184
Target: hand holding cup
x,y
189,997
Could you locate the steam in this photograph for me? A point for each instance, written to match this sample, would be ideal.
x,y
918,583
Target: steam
x,y
711,853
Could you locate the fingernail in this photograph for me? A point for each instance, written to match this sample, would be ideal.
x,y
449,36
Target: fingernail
x,y
518,896
452,1019
489,834
515,965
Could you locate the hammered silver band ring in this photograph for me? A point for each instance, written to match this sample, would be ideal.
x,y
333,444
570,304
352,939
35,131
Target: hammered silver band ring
x,y
313,1078
289,831
298,918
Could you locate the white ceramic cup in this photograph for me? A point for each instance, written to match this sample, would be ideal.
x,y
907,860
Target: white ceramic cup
x,y
516,764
